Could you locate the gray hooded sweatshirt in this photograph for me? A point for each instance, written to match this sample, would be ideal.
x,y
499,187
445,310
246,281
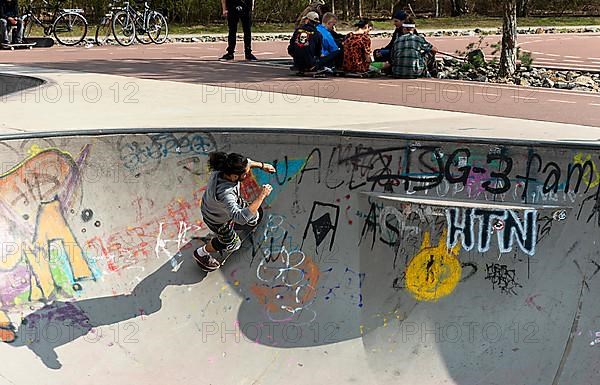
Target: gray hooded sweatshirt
x,y
222,203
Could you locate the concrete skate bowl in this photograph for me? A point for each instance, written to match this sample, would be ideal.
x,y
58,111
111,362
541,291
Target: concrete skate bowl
x,y
10,84
453,260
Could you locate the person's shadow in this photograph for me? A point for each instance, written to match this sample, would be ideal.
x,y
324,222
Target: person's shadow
x,y
61,322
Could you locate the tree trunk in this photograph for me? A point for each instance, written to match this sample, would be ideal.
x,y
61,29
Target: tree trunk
x,y
333,6
523,8
357,8
345,9
437,8
508,57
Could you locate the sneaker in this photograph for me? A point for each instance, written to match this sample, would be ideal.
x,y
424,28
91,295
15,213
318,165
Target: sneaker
x,y
324,71
251,57
206,262
228,56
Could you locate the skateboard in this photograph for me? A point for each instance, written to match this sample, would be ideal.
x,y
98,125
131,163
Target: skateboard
x,y
368,74
243,231
12,47
310,74
316,75
40,42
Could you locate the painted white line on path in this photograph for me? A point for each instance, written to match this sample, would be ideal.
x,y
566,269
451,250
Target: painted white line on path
x,y
561,101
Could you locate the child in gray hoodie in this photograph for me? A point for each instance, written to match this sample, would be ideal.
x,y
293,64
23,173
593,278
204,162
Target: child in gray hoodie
x,y
222,204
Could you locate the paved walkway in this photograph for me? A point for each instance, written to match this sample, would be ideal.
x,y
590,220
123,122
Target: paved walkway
x,y
197,64
78,100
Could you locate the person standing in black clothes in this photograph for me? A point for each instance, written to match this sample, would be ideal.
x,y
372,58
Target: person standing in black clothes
x,y
236,11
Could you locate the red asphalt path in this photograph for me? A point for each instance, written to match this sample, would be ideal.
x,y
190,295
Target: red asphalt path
x,y
196,63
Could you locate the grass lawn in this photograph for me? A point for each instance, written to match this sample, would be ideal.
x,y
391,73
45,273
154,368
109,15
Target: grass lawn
x,y
422,24
440,23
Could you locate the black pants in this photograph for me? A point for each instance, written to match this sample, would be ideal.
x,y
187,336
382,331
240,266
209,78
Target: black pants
x,y
334,59
233,17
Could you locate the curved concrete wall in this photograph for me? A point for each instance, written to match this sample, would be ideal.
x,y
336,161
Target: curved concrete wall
x,y
467,263
14,83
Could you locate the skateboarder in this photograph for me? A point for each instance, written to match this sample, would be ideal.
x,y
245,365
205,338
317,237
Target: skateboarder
x,y
222,205
9,17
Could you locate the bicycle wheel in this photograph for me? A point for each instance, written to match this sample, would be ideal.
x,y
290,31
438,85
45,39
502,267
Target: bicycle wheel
x,y
141,35
70,28
28,23
123,28
103,31
158,29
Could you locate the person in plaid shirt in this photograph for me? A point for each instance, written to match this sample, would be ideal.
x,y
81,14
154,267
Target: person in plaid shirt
x,y
412,56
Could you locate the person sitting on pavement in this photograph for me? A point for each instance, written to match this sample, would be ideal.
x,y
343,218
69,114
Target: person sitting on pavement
x,y
383,54
357,48
9,17
306,45
313,6
331,54
412,56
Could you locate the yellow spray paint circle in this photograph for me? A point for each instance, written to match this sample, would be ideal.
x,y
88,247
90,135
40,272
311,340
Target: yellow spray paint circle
x,y
434,272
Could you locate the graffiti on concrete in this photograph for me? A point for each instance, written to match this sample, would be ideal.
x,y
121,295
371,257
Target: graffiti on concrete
x,y
288,279
435,271
133,245
41,257
502,277
326,246
146,153
322,223
505,223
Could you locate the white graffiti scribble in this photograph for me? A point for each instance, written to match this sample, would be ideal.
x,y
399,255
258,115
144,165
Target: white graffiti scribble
x,y
184,235
283,273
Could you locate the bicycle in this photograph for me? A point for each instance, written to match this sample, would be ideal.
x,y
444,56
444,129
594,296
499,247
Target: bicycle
x,y
68,26
129,24
104,28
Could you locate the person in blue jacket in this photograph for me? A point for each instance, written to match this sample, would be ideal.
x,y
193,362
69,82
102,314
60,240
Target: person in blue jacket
x,y
331,54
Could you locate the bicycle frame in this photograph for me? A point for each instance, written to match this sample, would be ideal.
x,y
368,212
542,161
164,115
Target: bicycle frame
x,y
135,15
107,18
57,11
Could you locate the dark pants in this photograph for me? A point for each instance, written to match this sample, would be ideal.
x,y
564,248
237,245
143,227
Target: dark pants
x,y
17,36
382,55
226,237
233,17
331,60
